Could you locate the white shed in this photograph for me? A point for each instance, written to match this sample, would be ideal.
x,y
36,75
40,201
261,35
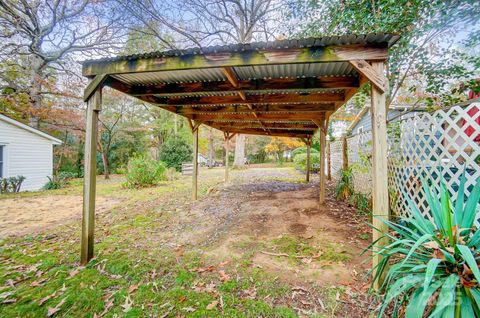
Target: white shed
x,y
25,151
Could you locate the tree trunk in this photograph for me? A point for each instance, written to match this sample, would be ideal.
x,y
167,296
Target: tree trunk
x,y
106,169
211,149
239,151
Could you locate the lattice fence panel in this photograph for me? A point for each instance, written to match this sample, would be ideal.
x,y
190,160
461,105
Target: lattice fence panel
x,y
336,158
437,146
359,159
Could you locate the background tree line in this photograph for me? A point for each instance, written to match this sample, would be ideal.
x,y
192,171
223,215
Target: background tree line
x,y
434,63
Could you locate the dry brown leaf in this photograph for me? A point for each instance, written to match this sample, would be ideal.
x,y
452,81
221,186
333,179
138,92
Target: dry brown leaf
x,y
44,299
223,276
212,305
52,311
132,288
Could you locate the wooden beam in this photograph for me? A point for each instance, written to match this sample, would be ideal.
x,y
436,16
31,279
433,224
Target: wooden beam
x,y
309,107
246,86
326,97
195,164
379,168
90,174
93,86
231,76
329,162
377,79
267,125
332,53
264,117
261,132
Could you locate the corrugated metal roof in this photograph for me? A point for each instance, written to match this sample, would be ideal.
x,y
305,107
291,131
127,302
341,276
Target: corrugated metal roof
x,y
295,70
177,76
373,38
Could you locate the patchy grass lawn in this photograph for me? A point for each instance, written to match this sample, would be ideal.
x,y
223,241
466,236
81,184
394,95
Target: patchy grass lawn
x,y
159,255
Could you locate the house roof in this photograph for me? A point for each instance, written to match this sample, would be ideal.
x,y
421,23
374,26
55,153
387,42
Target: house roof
x,y
279,88
16,123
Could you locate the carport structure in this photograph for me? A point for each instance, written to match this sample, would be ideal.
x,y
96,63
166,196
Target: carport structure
x,y
282,88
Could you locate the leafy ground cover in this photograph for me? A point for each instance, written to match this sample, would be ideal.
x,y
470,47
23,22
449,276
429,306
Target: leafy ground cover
x,y
258,248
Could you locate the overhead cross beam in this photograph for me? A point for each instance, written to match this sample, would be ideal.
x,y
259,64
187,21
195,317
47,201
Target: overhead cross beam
x,y
192,110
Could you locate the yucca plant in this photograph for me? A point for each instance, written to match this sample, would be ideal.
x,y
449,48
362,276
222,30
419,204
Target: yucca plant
x,y
433,267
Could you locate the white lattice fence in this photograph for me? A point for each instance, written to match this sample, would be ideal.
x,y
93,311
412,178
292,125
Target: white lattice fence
x,y
336,158
359,155
437,146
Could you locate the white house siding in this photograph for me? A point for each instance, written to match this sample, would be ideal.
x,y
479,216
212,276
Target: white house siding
x,y
27,154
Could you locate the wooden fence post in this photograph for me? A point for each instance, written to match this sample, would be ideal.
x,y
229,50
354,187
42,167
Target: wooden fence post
x,y
195,163
344,153
329,163
94,105
322,161
309,146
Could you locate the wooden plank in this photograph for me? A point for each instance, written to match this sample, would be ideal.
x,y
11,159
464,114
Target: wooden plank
x,y
324,97
261,132
264,117
377,79
247,86
321,173
90,173
187,168
195,166
332,53
310,107
292,125
379,166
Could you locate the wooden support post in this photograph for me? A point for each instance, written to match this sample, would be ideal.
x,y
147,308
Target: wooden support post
x,y
195,163
329,163
309,146
227,148
90,172
323,131
379,165
344,153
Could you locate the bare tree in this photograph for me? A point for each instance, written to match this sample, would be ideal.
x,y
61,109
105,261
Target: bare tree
x,y
38,37
182,23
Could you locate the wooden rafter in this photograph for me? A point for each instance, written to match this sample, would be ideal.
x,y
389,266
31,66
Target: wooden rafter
x,y
298,108
263,117
247,86
254,99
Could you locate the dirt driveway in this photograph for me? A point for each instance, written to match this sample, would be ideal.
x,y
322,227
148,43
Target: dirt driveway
x,y
28,215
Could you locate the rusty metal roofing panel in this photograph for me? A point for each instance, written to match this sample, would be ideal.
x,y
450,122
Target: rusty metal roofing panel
x,y
374,38
178,76
300,70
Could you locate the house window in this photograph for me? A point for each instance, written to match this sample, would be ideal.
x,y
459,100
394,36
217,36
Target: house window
x,y
360,129
1,160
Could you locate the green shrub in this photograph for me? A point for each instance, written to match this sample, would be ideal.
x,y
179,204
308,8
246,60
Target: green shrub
x,y
434,266
144,172
176,151
302,150
11,184
344,188
300,162
55,182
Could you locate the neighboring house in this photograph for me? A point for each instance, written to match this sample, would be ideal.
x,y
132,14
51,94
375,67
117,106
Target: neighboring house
x,y
363,120
25,151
